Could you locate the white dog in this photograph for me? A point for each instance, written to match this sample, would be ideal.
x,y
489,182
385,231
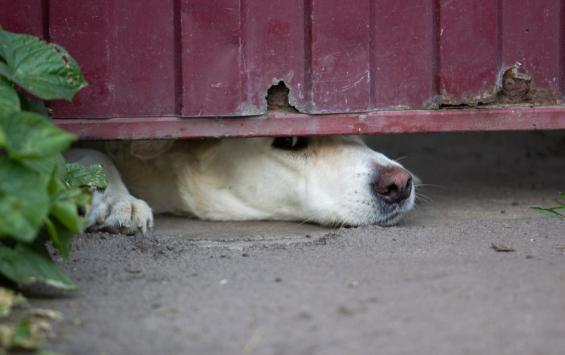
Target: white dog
x,y
326,180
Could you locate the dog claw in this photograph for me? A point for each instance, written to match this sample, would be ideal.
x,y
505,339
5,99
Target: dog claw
x,y
119,213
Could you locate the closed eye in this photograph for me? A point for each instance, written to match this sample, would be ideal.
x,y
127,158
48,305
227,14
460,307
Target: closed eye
x,y
290,143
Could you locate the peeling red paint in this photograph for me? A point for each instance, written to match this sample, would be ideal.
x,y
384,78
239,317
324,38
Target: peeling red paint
x,y
283,124
149,62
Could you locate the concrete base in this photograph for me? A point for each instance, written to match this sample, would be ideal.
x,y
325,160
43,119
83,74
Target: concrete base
x,y
432,285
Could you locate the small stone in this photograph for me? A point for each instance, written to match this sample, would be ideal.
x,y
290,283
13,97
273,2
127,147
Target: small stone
x,y
345,311
304,315
133,270
501,248
353,284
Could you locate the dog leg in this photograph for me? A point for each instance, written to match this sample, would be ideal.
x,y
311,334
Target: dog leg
x,y
115,209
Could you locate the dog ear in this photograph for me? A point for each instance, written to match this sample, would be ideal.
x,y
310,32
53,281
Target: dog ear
x,y
149,149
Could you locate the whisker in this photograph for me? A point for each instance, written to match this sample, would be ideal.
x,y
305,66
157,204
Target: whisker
x,y
420,193
424,198
429,185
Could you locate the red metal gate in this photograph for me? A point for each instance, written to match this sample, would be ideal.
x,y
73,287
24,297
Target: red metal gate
x,y
185,68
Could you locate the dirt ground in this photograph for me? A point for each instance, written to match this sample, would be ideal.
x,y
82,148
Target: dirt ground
x,y
432,285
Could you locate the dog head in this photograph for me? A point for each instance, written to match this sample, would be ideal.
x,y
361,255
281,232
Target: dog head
x,y
325,180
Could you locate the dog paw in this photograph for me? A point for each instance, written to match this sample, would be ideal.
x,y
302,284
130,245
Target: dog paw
x,y
119,213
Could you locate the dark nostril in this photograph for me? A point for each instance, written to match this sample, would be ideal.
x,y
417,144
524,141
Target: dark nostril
x,y
394,184
408,184
393,188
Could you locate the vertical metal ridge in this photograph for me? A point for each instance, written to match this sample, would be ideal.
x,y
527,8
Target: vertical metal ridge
x,y
46,20
372,56
436,45
308,86
114,50
499,33
245,94
177,54
562,48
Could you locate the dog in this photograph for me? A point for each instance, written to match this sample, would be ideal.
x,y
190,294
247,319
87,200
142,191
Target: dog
x,y
332,181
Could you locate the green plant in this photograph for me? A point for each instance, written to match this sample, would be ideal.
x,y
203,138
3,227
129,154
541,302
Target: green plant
x,y
22,327
39,195
555,211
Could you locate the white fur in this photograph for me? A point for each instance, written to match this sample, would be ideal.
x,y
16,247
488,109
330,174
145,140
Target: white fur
x,y
329,182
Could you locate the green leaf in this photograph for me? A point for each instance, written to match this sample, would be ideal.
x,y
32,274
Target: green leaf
x,y
3,139
554,211
45,352
8,299
33,105
25,266
25,336
9,100
59,191
91,176
64,203
29,135
66,213
45,70
64,220
50,165
549,212
60,237
4,70
24,201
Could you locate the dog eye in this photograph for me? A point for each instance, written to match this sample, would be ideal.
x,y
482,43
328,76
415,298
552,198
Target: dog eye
x,y
290,143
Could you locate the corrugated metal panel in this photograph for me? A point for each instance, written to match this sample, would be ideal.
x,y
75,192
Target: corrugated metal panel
x,y
213,68
468,59
190,58
126,49
403,54
23,16
532,34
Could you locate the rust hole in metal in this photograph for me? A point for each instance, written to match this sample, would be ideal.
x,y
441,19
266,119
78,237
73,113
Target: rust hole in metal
x,y
516,86
277,98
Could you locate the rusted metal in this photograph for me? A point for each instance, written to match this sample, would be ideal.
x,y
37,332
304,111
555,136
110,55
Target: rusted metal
x,y
516,85
219,57
196,59
278,98
296,124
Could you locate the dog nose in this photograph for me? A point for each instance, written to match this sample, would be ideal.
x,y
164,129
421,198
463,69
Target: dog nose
x,y
394,184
